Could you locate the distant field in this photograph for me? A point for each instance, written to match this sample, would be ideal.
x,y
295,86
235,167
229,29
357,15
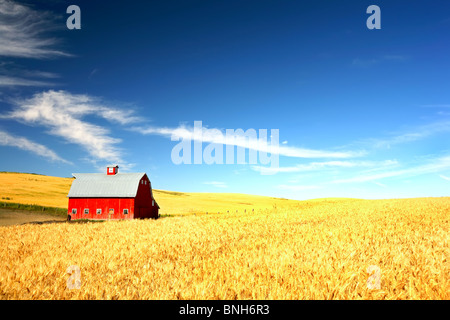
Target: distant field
x,y
52,192
34,189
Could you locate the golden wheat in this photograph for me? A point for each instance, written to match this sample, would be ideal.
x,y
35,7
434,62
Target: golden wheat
x,y
49,191
314,250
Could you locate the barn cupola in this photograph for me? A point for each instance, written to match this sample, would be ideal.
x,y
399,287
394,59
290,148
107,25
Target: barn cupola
x,y
112,170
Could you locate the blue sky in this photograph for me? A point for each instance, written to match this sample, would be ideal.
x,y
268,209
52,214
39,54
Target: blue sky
x,y
360,113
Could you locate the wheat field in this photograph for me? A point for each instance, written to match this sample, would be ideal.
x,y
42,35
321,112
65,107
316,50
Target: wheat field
x,y
328,249
35,189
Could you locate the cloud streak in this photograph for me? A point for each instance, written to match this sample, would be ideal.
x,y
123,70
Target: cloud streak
x,y
22,143
7,81
436,165
368,62
316,166
215,135
218,184
414,134
297,187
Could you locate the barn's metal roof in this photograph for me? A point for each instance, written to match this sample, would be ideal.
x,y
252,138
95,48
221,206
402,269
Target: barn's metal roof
x,y
100,185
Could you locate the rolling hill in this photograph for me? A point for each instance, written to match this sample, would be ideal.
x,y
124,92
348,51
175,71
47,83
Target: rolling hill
x,y
48,191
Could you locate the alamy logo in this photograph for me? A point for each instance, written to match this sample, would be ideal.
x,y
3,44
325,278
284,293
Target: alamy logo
x,y
221,146
374,21
74,281
74,20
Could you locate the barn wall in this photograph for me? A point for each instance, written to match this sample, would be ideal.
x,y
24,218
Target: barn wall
x,y
118,204
143,204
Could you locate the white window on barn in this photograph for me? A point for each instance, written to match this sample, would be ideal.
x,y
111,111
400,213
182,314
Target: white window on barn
x,y
145,182
153,203
111,211
110,170
125,211
74,211
86,211
99,211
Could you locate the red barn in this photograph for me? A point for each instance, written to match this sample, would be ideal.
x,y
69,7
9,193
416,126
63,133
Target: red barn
x,y
112,195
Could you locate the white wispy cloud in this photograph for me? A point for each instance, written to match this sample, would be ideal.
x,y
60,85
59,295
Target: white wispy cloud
x,y
215,135
379,184
24,32
315,166
8,81
14,70
41,74
368,62
442,109
433,166
442,105
218,184
297,187
444,177
364,62
7,139
413,134
62,114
